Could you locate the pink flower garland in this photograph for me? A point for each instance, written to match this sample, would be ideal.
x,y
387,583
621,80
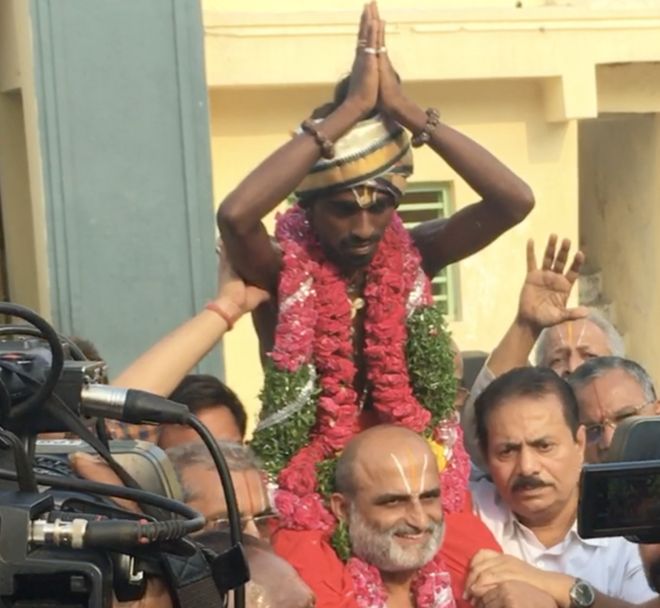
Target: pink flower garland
x,y
314,327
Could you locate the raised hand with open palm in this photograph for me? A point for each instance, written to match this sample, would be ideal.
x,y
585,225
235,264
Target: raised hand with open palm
x,y
546,290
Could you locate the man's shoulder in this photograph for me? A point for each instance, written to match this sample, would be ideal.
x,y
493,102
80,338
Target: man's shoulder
x,y
487,503
616,546
312,556
483,492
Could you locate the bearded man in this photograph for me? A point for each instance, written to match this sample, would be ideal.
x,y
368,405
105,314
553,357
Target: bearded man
x,y
350,336
388,498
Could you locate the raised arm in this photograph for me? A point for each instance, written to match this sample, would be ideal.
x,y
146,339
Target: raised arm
x,y
240,214
542,304
506,199
160,369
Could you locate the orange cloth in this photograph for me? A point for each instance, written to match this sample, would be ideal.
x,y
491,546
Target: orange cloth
x,y
318,565
465,534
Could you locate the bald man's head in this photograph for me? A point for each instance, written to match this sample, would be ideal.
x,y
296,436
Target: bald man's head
x,y
388,492
368,449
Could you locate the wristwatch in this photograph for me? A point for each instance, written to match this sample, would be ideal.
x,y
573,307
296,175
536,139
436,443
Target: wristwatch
x,y
582,594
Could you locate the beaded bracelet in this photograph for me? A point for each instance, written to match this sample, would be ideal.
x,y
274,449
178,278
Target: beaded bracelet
x,y
424,137
327,147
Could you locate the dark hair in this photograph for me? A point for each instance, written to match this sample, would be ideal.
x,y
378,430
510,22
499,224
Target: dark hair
x,y
200,391
599,366
524,382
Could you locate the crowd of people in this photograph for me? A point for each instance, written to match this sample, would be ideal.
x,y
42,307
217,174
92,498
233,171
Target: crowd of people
x,y
373,479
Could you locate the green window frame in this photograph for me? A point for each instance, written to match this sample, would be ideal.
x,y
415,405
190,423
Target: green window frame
x,y
424,201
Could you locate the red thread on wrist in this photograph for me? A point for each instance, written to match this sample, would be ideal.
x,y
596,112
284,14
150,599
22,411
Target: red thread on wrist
x,y
217,309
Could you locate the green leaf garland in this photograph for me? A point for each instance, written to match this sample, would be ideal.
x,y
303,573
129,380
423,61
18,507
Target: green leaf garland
x,y
276,444
431,362
431,367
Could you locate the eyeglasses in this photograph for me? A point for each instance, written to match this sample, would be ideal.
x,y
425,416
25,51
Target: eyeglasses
x,y
595,432
260,520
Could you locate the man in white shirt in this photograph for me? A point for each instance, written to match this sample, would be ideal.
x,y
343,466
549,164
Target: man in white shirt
x,y
533,445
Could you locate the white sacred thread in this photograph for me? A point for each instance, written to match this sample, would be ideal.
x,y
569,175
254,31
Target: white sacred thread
x,y
294,407
402,473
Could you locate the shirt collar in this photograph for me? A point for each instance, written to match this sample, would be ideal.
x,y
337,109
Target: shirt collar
x,y
512,527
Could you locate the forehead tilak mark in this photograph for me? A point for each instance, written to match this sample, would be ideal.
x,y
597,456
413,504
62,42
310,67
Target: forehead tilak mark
x,y
404,478
569,333
364,196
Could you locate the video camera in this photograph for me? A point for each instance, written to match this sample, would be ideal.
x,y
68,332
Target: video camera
x,y
63,542
622,496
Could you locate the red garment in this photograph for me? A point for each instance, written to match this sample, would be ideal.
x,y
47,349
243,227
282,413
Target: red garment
x,y
318,565
465,534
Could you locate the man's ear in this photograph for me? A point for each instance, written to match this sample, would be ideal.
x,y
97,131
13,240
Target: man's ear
x,y
656,405
339,506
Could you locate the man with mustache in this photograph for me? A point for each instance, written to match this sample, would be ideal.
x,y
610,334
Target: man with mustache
x,y
529,432
609,390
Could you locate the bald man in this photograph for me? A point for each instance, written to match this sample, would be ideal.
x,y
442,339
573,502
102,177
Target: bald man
x,y
388,493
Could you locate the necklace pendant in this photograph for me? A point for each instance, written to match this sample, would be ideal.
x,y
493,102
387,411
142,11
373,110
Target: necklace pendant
x,y
357,304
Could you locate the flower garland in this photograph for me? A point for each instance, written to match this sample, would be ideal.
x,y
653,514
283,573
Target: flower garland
x,y
310,405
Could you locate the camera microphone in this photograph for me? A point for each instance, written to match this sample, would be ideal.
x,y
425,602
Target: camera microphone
x,y
129,405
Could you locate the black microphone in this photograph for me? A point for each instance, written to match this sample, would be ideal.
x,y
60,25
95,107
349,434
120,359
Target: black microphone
x,y
128,405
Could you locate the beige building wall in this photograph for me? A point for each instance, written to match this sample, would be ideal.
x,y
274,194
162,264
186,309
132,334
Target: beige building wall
x,y
620,223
